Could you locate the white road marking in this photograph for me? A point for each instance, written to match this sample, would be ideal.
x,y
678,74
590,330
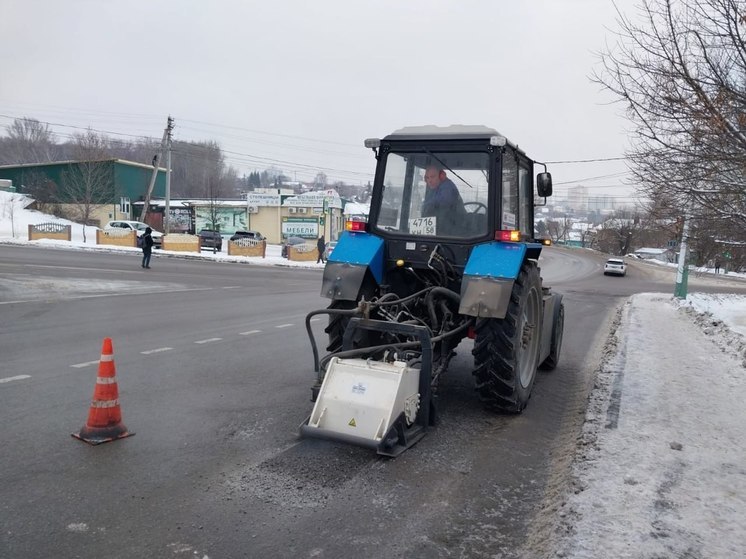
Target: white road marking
x,y
100,295
283,325
249,332
232,287
19,301
11,379
208,340
315,319
86,364
158,350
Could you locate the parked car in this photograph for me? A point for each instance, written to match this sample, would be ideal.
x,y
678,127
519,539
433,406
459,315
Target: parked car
x,y
329,248
615,267
210,238
291,241
247,235
138,227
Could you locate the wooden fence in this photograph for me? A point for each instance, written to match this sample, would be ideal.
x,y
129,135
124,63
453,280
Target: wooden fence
x,y
181,242
303,253
117,237
49,230
247,247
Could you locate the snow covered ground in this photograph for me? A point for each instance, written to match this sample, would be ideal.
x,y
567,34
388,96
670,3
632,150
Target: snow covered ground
x,y
661,466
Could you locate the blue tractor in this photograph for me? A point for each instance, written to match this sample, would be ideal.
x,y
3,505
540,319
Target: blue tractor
x,y
448,252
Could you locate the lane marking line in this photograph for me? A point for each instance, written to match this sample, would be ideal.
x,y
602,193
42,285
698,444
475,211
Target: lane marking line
x,y
249,332
86,364
283,326
11,379
157,350
100,295
208,340
232,287
315,319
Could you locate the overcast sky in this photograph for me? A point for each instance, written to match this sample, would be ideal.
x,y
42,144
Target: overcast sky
x,y
301,84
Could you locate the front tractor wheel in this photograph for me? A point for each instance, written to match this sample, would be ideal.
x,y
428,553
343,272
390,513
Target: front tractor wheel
x,y
506,351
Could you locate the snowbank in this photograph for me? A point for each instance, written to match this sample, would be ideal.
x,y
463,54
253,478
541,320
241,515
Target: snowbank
x,y
661,470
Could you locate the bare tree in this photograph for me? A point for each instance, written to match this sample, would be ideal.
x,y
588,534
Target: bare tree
x,y
8,209
42,189
28,141
213,193
193,164
559,229
89,181
617,234
681,72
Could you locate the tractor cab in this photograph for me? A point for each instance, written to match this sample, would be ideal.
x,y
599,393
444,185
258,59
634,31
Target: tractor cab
x,y
457,184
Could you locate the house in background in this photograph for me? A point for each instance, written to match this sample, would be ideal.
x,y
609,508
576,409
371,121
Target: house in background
x,y
661,254
104,189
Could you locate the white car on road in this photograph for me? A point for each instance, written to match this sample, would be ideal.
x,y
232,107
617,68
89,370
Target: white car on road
x,y
615,267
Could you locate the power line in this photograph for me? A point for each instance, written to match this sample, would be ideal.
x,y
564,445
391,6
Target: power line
x,y
586,160
272,133
243,159
77,127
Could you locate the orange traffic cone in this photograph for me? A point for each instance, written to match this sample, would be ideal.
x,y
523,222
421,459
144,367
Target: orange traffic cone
x,y
104,417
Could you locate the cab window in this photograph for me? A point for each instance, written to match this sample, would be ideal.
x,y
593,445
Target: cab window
x,y
441,194
510,198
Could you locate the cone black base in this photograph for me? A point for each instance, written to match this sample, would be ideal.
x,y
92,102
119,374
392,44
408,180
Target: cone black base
x,y
100,435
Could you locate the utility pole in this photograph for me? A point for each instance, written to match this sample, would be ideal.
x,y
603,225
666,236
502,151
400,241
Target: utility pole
x,y
156,160
167,209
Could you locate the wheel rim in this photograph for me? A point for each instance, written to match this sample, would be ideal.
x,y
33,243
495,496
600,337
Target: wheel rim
x,y
528,339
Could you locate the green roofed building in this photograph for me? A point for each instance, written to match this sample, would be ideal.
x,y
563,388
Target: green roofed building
x,y
102,190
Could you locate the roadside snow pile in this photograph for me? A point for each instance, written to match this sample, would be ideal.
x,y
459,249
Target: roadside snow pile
x,y
15,219
660,469
722,318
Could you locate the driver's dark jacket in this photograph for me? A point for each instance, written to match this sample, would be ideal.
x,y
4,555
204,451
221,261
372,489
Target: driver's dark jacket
x,y
445,204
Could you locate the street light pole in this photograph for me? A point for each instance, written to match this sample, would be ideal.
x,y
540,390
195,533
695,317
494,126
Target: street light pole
x,y
682,272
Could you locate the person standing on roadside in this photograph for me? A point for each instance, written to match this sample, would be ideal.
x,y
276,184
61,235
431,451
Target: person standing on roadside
x,y
147,247
321,247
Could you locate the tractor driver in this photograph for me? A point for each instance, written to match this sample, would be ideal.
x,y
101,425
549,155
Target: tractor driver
x,y
442,201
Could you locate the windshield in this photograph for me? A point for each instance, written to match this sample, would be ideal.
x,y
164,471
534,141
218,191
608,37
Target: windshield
x,y
435,194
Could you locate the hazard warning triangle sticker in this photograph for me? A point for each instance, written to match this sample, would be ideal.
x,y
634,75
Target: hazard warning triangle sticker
x,y
352,423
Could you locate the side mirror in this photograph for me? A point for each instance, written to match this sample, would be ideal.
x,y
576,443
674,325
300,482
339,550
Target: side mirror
x,y
544,184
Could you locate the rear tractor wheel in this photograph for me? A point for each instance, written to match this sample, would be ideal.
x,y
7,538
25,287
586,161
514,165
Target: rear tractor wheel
x,y
506,351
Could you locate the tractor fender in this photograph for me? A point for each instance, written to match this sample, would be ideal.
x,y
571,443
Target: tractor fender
x,y
488,279
552,304
356,255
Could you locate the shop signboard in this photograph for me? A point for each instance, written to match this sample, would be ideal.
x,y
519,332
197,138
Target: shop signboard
x,y
306,227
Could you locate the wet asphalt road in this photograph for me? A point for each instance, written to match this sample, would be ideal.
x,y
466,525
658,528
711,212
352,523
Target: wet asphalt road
x,y
214,369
